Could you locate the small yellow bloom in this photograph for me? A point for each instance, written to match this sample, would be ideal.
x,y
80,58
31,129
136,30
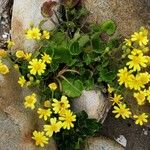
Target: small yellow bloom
x,y
122,111
46,35
22,81
144,77
47,103
128,42
3,53
37,66
33,33
58,106
16,66
40,138
141,119
53,86
110,89
3,68
10,44
44,113
116,99
68,118
148,94
20,54
54,126
46,58
140,97
27,56
30,101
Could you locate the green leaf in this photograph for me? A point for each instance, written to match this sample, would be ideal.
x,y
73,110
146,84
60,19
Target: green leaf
x,y
87,59
75,49
83,40
109,27
114,43
89,84
72,88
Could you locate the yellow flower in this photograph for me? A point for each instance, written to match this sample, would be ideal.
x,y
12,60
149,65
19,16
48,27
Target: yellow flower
x,y
137,61
145,49
141,119
22,81
46,58
54,126
60,105
20,54
140,97
116,99
53,86
16,66
136,52
110,89
46,35
124,76
128,42
30,101
148,60
10,44
37,66
40,138
68,118
140,38
3,53
44,113
144,77
122,111
148,94
27,56
33,33
3,69
47,103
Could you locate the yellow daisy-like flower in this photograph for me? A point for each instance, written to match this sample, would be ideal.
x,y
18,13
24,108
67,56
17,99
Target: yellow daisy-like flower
x,y
124,76
116,99
44,113
110,89
27,56
122,110
140,38
53,86
137,61
3,53
144,77
128,42
22,81
33,33
20,54
30,101
46,35
47,103
46,58
60,105
141,119
40,138
68,118
3,68
140,97
10,44
54,127
37,66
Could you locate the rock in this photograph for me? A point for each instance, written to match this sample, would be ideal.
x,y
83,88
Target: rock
x,y
129,15
93,102
102,143
25,12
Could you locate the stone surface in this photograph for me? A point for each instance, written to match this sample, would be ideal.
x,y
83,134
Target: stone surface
x,y
129,15
101,143
25,12
93,102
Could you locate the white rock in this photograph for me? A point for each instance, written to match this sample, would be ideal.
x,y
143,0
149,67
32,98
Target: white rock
x,y
93,102
101,143
122,140
25,12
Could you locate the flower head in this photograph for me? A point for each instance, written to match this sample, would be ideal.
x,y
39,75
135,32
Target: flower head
x,y
47,103
122,110
140,97
46,58
148,94
141,119
54,126
40,138
20,54
116,99
110,89
37,66
128,42
33,33
22,81
3,68
44,113
10,44
68,118
30,101
53,86
3,53
27,56
46,35
61,105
